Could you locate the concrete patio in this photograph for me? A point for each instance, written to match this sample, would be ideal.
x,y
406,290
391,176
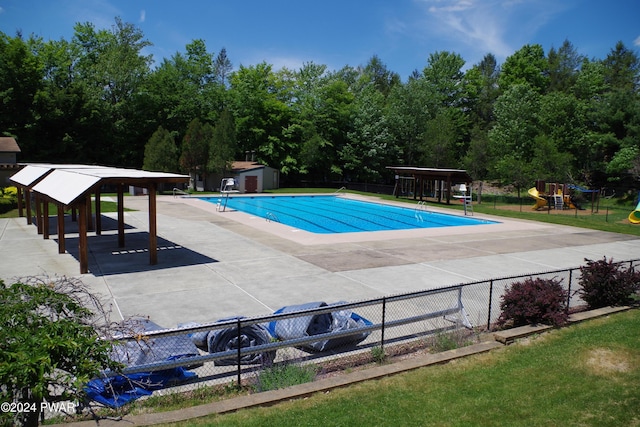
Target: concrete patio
x,y
217,264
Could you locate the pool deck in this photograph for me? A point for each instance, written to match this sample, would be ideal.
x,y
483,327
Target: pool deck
x,y
217,264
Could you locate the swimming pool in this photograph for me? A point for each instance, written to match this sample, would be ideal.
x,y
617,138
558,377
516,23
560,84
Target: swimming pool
x,y
329,214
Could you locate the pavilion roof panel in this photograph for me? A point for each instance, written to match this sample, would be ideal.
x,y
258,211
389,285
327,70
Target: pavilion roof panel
x,y
29,175
65,183
64,186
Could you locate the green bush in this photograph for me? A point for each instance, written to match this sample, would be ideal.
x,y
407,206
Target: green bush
x,y
285,375
8,199
9,192
605,283
378,354
7,205
534,301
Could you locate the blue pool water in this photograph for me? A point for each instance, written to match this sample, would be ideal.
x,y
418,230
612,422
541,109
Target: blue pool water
x,y
334,214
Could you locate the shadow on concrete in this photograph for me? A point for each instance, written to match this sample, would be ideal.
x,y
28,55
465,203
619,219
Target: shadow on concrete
x,y
106,258
71,226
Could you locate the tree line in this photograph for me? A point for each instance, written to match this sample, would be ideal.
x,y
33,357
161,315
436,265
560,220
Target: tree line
x,y
98,98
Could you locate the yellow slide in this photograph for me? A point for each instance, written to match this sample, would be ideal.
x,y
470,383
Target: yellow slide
x,y
540,202
634,217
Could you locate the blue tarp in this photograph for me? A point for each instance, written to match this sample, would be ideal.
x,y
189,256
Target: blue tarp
x,y
303,326
118,390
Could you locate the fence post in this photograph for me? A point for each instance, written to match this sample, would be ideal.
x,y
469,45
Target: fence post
x,y
239,355
569,289
384,311
490,304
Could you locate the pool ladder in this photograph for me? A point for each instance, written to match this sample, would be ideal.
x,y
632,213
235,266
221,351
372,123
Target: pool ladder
x,y
421,207
177,191
271,217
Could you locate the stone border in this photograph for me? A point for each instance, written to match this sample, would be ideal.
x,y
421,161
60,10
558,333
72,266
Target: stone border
x,y
508,336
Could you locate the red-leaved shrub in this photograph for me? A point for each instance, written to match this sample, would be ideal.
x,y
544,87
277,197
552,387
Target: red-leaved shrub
x,y
534,301
605,283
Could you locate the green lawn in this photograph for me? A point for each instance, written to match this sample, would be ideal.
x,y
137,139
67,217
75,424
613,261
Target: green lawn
x,y
582,375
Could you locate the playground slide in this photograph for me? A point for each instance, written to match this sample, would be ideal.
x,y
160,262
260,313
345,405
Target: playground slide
x,y
540,202
634,217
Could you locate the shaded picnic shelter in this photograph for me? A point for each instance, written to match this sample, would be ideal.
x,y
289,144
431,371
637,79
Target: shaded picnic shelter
x,y
72,187
435,181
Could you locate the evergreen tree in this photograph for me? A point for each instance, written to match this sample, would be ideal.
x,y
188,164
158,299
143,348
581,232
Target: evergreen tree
x,y
161,152
195,149
223,144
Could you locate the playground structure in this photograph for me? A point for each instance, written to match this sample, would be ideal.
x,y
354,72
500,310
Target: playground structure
x,y
561,196
634,216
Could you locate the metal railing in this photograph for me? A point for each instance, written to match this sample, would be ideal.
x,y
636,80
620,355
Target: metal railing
x,y
271,217
177,191
386,321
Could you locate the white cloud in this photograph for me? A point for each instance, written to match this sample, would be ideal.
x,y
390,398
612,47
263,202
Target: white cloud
x,y
100,13
143,15
450,6
484,26
636,42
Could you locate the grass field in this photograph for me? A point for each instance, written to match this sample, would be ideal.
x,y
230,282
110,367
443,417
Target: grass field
x,y
582,375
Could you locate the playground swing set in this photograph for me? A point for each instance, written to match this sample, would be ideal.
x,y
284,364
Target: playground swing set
x,y
561,196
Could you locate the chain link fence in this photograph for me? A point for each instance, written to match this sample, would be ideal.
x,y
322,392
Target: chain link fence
x,y
322,337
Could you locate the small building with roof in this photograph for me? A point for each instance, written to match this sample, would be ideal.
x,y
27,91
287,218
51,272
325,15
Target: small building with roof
x,y
9,150
253,177
250,177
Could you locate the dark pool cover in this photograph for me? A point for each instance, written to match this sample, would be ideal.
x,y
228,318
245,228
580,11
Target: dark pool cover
x,y
221,340
304,326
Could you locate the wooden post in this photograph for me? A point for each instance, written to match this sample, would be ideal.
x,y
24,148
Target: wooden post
x,y
38,214
82,236
120,216
45,219
153,228
20,208
61,242
98,213
90,226
27,202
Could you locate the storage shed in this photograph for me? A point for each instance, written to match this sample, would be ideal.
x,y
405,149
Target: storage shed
x,y
9,150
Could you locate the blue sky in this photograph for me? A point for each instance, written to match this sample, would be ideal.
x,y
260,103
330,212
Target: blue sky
x,y
343,32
